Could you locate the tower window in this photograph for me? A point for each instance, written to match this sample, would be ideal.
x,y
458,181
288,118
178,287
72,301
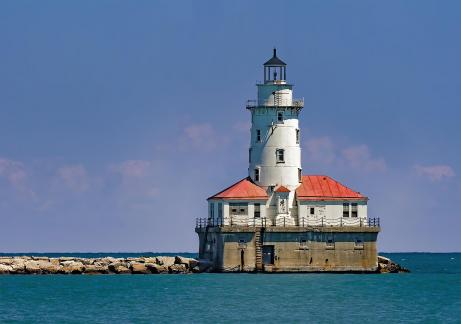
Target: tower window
x,y
297,136
258,135
346,210
354,211
300,175
280,155
312,210
256,174
249,155
280,116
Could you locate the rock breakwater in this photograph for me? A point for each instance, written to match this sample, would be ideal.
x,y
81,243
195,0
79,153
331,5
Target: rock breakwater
x,y
133,265
107,265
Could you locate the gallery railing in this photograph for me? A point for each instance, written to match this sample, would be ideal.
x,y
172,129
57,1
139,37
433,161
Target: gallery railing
x,y
253,103
303,222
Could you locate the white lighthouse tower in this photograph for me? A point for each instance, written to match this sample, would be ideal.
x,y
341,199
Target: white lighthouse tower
x,y
275,152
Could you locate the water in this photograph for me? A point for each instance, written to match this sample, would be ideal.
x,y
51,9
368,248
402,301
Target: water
x,y
430,294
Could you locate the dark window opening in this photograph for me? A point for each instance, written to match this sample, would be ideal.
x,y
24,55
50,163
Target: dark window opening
x,y
346,210
312,211
258,135
354,211
256,174
280,156
257,210
280,116
297,136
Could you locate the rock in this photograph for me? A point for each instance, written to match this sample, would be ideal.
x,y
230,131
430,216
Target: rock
x,y
386,265
5,269
61,259
196,269
50,267
188,262
156,268
383,260
138,268
72,267
18,266
150,260
7,261
32,267
177,268
119,268
96,268
165,260
41,258
138,260
107,260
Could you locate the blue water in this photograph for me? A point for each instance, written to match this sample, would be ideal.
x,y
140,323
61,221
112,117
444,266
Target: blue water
x,y
430,294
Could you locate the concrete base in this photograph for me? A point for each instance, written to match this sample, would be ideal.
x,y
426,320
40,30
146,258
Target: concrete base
x,y
290,249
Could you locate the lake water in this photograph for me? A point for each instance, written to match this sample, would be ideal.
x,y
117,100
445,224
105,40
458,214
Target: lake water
x,y
430,294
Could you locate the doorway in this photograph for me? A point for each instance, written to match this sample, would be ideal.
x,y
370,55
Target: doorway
x,y
268,254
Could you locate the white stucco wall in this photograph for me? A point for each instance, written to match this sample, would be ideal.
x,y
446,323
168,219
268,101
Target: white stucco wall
x,y
331,212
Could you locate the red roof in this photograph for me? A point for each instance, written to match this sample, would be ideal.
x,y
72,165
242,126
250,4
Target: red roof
x,y
282,189
242,190
319,187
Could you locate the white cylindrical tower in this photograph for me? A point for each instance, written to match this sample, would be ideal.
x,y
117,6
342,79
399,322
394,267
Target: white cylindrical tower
x,y
275,153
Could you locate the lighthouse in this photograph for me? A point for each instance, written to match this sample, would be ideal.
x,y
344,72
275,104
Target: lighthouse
x,y
277,219
275,151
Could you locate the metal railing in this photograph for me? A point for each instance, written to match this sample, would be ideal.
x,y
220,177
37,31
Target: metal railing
x,y
253,103
303,222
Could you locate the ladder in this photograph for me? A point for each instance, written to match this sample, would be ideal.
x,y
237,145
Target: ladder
x,y
259,248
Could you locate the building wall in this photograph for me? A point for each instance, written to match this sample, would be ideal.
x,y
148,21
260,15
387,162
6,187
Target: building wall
x,y
329,250
331,211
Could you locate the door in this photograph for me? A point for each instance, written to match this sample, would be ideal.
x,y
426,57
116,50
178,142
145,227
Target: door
x,y
268,254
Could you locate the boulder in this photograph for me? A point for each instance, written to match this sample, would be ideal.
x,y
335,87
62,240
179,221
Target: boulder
x,y
106,260
41,258
138,268
196,269
138,260
386,265
177,268
88,261
72,267
165,260
150,260
119,268
383,260
33,267
5,269
18,266
96,268
155,268
50,267
188,262
7,261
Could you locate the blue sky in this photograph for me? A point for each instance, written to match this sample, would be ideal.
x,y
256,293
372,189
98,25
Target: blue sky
x,y
119,118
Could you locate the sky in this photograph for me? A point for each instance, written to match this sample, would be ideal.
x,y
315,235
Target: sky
x,y
119,118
